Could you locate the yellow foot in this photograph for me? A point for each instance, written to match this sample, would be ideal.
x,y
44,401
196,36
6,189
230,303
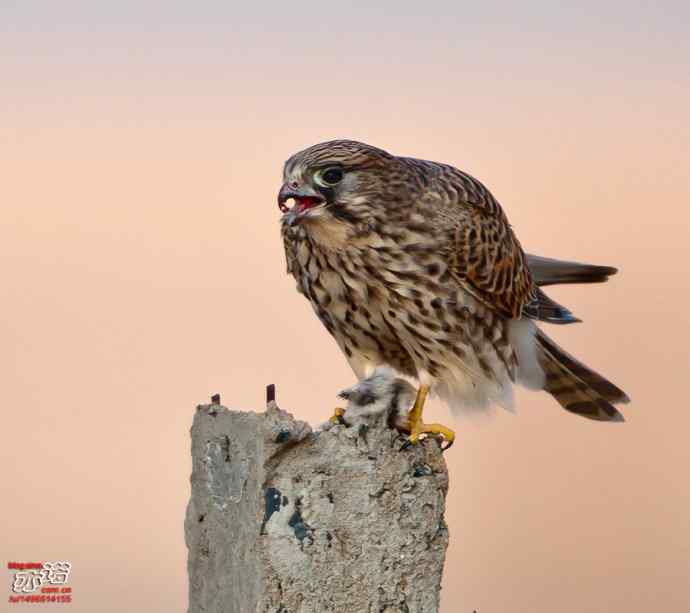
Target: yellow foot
x,y
416,425
337,417
421,428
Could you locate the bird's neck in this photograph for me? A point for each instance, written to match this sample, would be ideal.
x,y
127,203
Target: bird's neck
x,y
329,233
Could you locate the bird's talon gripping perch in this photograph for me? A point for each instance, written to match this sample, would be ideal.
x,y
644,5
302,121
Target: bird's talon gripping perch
x,y
417,427
337,417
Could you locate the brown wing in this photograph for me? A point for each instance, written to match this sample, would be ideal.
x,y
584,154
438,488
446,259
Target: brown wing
x,y
487,257
483,253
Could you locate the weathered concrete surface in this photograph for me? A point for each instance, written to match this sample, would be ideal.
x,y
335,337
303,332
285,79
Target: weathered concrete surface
x,y
285,520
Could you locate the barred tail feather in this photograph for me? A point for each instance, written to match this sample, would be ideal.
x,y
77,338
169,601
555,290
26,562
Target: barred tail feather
x,y
576,387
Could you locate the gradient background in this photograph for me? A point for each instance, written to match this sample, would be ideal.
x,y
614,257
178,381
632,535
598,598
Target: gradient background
x,y
141,149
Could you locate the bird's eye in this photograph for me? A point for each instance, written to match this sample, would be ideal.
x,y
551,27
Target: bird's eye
x,y
329,177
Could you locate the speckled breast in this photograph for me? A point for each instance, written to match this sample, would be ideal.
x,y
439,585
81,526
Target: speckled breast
x,y
391,304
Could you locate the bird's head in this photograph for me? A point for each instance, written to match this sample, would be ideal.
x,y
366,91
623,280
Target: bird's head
x,y
339,181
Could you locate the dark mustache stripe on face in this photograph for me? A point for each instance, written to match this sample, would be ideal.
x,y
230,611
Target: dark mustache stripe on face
x,y
340,212
327,192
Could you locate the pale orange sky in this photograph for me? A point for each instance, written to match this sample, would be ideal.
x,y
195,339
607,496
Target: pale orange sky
x,y
141,150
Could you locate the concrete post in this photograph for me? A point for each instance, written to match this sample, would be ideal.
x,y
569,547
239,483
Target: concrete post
x,y
285,520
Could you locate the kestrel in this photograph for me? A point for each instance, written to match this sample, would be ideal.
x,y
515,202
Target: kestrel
x,y
413,265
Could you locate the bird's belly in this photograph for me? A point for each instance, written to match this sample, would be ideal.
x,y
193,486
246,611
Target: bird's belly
x,y
354,311
416,324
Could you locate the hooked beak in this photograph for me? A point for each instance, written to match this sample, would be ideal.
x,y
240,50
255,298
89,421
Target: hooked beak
x,y
305,199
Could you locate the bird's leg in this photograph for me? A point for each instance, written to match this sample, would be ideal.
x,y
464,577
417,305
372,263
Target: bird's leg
x,y
415,415
337,417
417,426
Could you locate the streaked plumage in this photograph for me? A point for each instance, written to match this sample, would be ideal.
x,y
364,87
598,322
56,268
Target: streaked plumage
x,y
413,264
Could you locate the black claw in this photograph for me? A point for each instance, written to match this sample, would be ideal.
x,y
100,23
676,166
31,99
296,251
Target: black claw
x,y
406,444
447,447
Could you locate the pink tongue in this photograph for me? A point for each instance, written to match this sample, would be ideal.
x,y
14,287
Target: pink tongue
x,y
305,203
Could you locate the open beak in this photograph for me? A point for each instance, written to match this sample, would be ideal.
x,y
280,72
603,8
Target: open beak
x,y
305,199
